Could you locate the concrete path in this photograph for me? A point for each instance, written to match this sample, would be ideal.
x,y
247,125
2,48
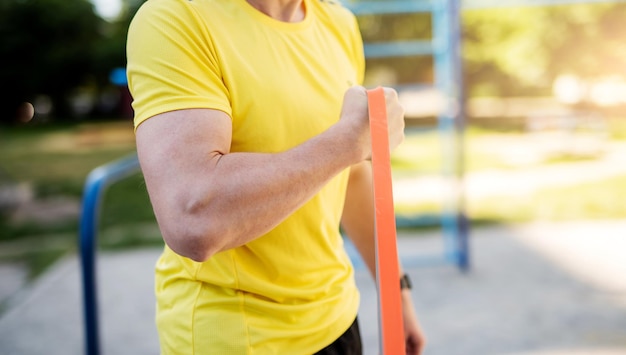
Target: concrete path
x,y
539,289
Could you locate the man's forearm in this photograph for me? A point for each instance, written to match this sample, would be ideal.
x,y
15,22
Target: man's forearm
x,y
248,194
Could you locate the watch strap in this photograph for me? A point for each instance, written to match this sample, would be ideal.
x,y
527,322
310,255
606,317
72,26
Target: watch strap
x,y
405,282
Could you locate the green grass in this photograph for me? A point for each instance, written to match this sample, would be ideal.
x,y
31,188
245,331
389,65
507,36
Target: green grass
x,y
424,152
54,160
603,199
600,200
38,261
617,128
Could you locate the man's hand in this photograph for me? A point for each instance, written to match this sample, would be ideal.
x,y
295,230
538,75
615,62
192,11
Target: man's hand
x,y
355,114
413,334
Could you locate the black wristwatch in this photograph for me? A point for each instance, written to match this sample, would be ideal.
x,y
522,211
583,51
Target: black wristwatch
x,y
405,282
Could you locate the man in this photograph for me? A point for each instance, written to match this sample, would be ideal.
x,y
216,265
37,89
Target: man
x,y
254,143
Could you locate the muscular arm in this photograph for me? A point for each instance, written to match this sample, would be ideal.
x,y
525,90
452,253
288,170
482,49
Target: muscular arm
x,y
207,199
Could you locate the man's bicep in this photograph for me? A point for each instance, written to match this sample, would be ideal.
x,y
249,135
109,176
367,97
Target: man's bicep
x,y
180,135
176,148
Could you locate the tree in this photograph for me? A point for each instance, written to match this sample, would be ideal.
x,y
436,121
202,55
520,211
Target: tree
x,y
48,48
521,50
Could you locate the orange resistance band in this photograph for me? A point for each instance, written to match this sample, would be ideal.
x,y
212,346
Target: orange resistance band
x,y
387,268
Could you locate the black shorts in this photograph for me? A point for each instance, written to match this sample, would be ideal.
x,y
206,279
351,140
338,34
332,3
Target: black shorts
x,y
349,343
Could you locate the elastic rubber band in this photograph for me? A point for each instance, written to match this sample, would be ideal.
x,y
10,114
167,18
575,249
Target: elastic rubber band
x,y
387,268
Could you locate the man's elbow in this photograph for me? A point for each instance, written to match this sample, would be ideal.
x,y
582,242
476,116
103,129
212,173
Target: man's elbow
x,y
198,245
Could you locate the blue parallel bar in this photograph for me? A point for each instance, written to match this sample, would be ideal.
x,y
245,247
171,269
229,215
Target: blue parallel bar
x,y
398,49
389,7
463,255
97,181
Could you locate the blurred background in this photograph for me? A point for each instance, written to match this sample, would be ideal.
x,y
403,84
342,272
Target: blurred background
x,y
542,145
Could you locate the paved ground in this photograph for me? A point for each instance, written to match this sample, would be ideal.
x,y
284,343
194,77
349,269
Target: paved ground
x,y
539,289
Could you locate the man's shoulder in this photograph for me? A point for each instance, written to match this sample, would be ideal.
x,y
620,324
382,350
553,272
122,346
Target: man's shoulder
x,y
162,10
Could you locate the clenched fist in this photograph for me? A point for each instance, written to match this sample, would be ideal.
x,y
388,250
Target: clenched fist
x,y
355,115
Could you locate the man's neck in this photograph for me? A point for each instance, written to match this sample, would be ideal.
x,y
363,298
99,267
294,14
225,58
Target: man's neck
x,y
281,10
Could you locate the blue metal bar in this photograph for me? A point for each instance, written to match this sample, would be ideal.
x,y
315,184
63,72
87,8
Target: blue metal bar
x,y
398,49
448,78
444,81
462,240
97,182
389,7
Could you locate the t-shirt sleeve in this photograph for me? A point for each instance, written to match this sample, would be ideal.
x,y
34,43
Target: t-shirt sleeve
x,y
171,61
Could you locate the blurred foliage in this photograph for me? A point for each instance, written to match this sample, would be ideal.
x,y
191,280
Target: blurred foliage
x,y
520,51
57,50
62,49
48,47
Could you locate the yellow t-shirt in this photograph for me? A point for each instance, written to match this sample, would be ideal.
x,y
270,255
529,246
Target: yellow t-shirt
x,y
292,290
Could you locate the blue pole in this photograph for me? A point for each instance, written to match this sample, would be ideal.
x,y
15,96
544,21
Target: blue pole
x,y
448,79
454,7
97,182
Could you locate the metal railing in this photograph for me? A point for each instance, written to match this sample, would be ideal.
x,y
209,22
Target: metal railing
x,y
96,184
